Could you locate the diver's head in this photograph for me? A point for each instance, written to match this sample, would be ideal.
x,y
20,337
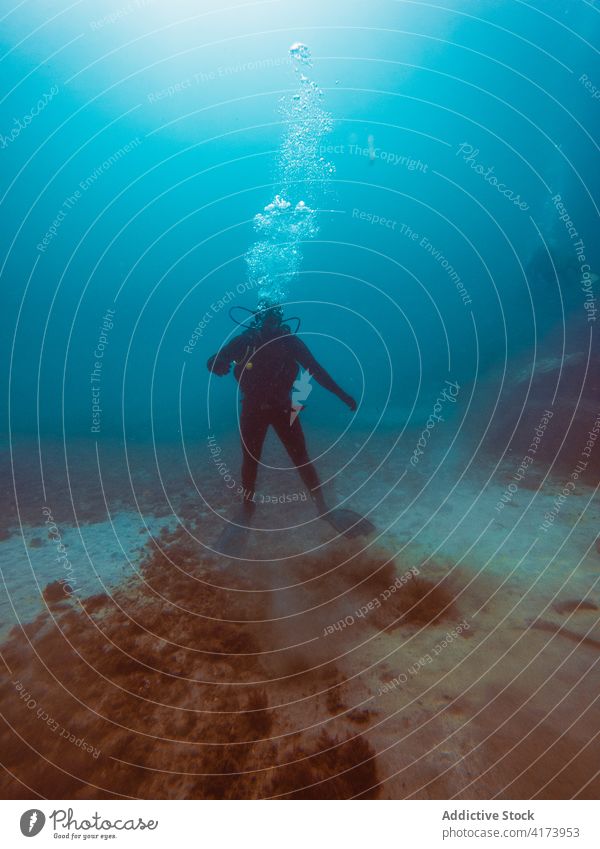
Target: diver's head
x,y
268,319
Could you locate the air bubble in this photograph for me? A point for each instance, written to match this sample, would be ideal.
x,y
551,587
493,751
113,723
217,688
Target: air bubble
x,y
302,173
301,53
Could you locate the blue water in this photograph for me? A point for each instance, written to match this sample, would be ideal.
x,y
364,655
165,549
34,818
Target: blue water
x,y
162,231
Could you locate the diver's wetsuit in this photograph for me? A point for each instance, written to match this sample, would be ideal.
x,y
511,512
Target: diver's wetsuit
x,y
266,366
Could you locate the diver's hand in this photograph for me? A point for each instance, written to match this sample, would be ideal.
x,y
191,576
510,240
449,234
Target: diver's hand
x,y
218,368
349,401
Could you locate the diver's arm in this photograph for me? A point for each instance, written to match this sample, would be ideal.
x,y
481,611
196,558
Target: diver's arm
x,y
308,362
220,363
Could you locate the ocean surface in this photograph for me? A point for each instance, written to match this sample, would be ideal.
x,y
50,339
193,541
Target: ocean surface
x,y
416,185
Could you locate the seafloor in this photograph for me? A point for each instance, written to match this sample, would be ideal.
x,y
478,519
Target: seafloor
x,y
452,655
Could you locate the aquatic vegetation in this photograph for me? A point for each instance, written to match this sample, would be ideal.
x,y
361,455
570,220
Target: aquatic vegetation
x,y
152,662
424,602
56,592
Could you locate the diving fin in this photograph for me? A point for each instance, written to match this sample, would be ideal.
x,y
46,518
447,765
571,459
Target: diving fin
x,y
348,523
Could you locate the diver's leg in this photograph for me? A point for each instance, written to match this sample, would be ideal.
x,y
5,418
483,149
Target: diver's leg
x,y
346,522
254,424
292,436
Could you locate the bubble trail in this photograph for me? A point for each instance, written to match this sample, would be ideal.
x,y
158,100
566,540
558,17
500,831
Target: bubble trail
x,y
302,175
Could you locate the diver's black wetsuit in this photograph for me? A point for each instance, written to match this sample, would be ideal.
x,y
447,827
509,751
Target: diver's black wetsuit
x,y
266,366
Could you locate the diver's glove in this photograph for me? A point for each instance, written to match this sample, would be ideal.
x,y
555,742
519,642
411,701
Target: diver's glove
x,y
218,366
349,401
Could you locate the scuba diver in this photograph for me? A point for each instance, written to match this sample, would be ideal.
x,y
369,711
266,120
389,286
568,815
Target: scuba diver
x,y
267,357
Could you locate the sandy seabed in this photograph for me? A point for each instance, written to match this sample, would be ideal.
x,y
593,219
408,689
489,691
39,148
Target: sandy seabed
x,y
453,655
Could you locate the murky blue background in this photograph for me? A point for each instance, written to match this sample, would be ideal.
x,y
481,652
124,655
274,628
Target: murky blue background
x,y
161,233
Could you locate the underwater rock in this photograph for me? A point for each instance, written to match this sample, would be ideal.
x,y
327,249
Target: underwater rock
x,y
567,633
573,605
563,389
